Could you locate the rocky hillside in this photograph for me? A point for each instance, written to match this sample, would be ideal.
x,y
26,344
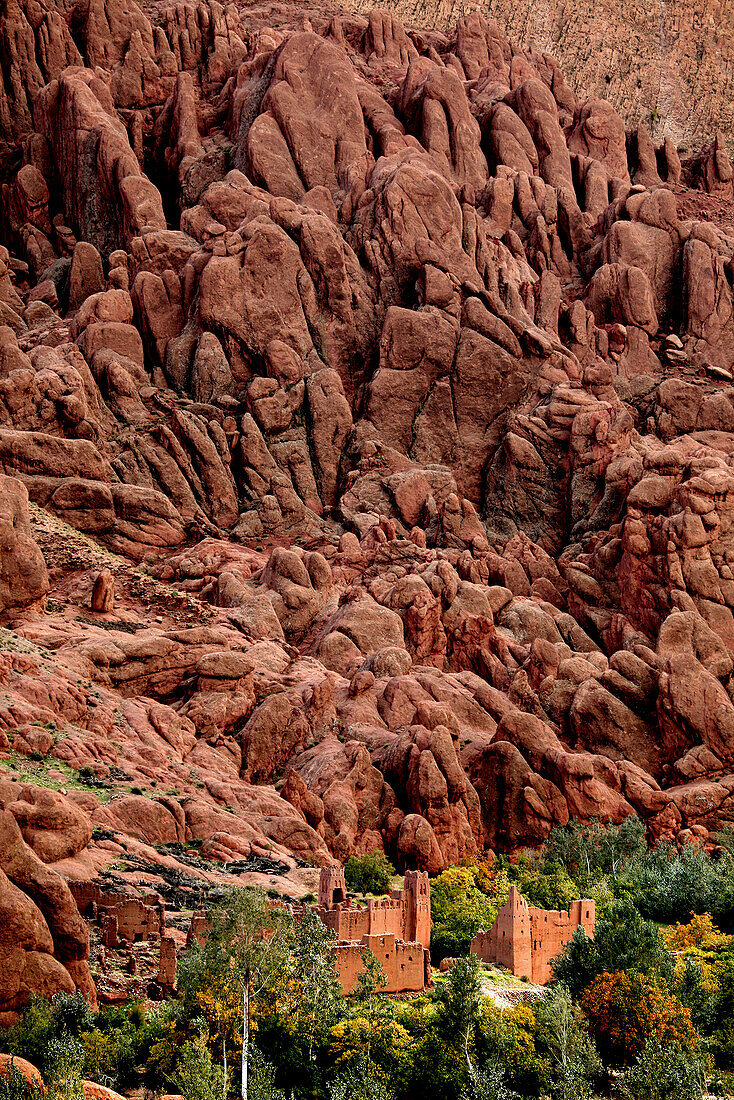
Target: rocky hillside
x,y
366,418
667,65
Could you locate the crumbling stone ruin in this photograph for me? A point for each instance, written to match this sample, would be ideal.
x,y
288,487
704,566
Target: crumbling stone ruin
x,y
137,933
167,964
123,918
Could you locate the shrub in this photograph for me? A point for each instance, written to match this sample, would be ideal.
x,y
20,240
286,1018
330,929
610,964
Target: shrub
x,y
506,1037
28,1039
489,1084
626,1010
13,1086
359,1084
196,1076
369,874
665,1071
623,940
562,1038
674,884
71,1013
460,909
111,1044
64,1061
100,1056
700,932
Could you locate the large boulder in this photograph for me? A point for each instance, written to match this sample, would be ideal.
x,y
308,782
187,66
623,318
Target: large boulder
x,y
44,943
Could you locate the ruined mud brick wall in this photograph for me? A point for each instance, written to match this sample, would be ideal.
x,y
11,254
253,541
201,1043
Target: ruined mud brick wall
x,y
507,943
90,898
404,964
122,917
197,929
167,963
524,939
551,929
133,920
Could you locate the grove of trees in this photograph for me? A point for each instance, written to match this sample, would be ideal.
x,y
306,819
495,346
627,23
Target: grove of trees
x,y
643,1011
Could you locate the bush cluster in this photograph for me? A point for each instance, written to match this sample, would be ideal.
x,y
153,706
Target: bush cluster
x,y
643,1010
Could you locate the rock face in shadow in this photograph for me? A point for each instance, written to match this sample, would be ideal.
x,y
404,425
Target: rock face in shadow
x,y
366,413
23,574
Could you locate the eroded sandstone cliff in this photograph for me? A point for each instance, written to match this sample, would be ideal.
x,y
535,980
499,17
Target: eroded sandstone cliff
x,y
366,418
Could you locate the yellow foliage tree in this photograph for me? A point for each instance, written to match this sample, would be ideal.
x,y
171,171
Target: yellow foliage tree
x,y
700,932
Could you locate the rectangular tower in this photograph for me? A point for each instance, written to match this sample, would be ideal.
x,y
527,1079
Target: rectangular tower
x,y
417,900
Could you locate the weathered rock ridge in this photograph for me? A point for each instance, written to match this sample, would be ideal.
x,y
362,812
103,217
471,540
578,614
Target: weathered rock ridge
x,y
366,464
667,66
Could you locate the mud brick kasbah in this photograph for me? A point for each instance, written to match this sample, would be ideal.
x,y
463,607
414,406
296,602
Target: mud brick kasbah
x,y
525,939
123,918
396,928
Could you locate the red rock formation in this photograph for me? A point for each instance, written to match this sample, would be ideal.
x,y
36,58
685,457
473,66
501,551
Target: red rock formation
x,y
44,943
23,575
373,399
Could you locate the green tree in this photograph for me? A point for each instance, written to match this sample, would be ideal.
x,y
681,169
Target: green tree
x,y
506,1037
548,886
665,1071
623,940
562,1036
488,1084
692,992
247,947
457,1009
596,846
357,1083
63,1067
369,874
262,1078
459,909
317,999
370,982
722,1041
674,883
196,1076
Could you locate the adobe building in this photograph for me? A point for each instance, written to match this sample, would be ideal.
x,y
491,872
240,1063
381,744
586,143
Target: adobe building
x,y
133,920
198,928
524,939
397,929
